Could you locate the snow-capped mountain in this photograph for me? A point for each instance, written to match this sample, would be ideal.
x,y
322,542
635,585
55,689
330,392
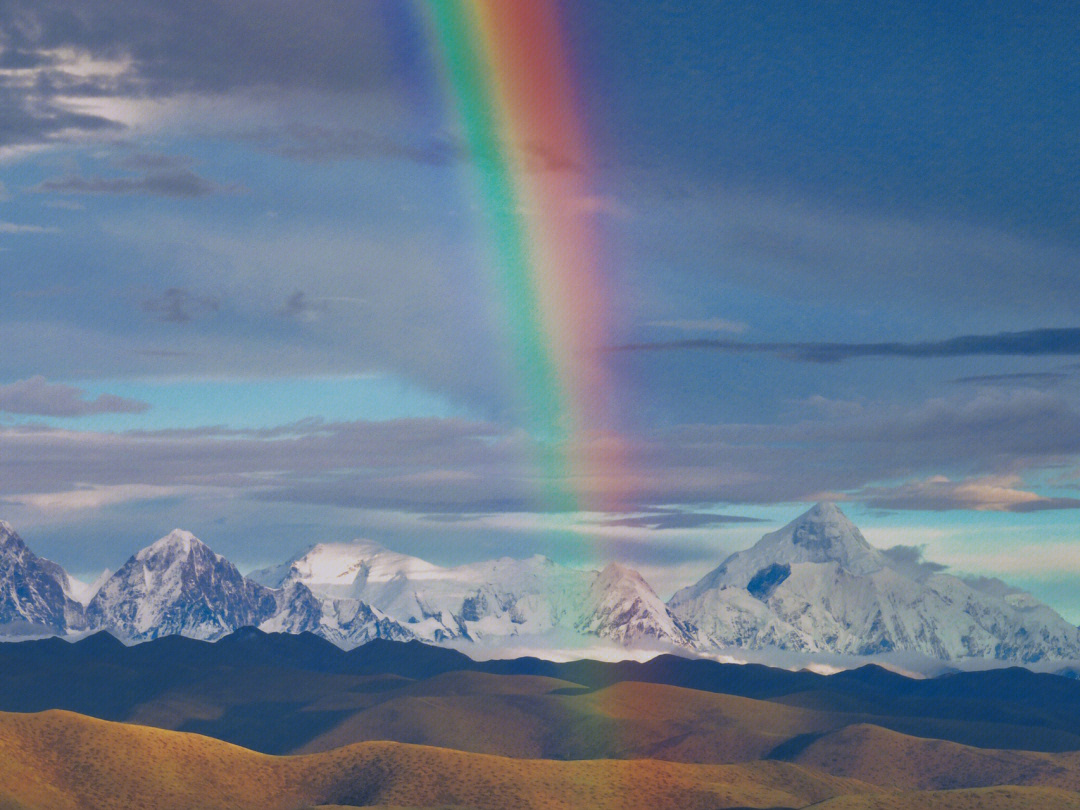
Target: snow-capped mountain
x,y
345,622
33,590
625,608
817,585
178,586
83,592
487,602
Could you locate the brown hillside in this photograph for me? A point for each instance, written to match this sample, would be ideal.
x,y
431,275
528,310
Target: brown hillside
x,y
890,759
995,798
627,720
63,761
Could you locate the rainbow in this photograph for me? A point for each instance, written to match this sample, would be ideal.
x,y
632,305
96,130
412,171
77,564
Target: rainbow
x,y
506,68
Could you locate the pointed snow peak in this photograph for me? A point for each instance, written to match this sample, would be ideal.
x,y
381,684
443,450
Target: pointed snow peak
x,y
824,512
825,534
177,543
614,572
9,538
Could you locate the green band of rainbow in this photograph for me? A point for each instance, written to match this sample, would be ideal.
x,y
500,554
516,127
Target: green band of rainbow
x,y
505,72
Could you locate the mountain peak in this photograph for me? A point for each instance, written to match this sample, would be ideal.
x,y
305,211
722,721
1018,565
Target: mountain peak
x,y
176,542
9,538
613,572
825,534
824,510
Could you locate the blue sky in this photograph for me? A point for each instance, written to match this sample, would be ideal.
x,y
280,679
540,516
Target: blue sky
x,y
245,292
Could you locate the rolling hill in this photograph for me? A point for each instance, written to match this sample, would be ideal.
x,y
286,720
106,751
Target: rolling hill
x,y
63,761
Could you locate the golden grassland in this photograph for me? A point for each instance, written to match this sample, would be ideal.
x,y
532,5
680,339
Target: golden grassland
x,y
59,760
994,798
885,757
627,720
530,717
62,761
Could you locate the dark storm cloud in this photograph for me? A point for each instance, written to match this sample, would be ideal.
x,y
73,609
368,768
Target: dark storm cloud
x,y
181,183
1030,343
177,305
36,396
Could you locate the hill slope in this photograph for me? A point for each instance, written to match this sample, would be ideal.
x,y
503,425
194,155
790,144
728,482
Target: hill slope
x,y
63,761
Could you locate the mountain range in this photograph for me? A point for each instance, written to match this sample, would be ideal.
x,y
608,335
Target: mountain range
x,y
814,587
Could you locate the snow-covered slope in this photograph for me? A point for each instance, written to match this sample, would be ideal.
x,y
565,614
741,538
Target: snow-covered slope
x,y
83,592
625,608
816,585
489,602
33,590
178,586
345,622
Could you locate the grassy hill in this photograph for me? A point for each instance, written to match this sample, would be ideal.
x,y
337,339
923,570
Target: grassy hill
x,y
997,798
887,758
283,694
628,720
63,761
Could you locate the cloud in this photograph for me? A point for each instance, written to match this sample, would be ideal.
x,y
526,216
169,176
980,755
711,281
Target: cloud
x,y
140,161
14,227
674,519
461,467
1042,559
811,253
1030,343
179,183
299,306
704,325
38,397
1017,378
177,305
939,493
87,498
909,560
60,61
990,585
319,143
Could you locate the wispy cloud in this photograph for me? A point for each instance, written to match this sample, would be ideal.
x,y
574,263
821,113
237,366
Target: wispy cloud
x,y
88,498
36,396
299,306
986,494
180,183
704,325
1030,343
1018,378
911,561
677,519
178,305
15,227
